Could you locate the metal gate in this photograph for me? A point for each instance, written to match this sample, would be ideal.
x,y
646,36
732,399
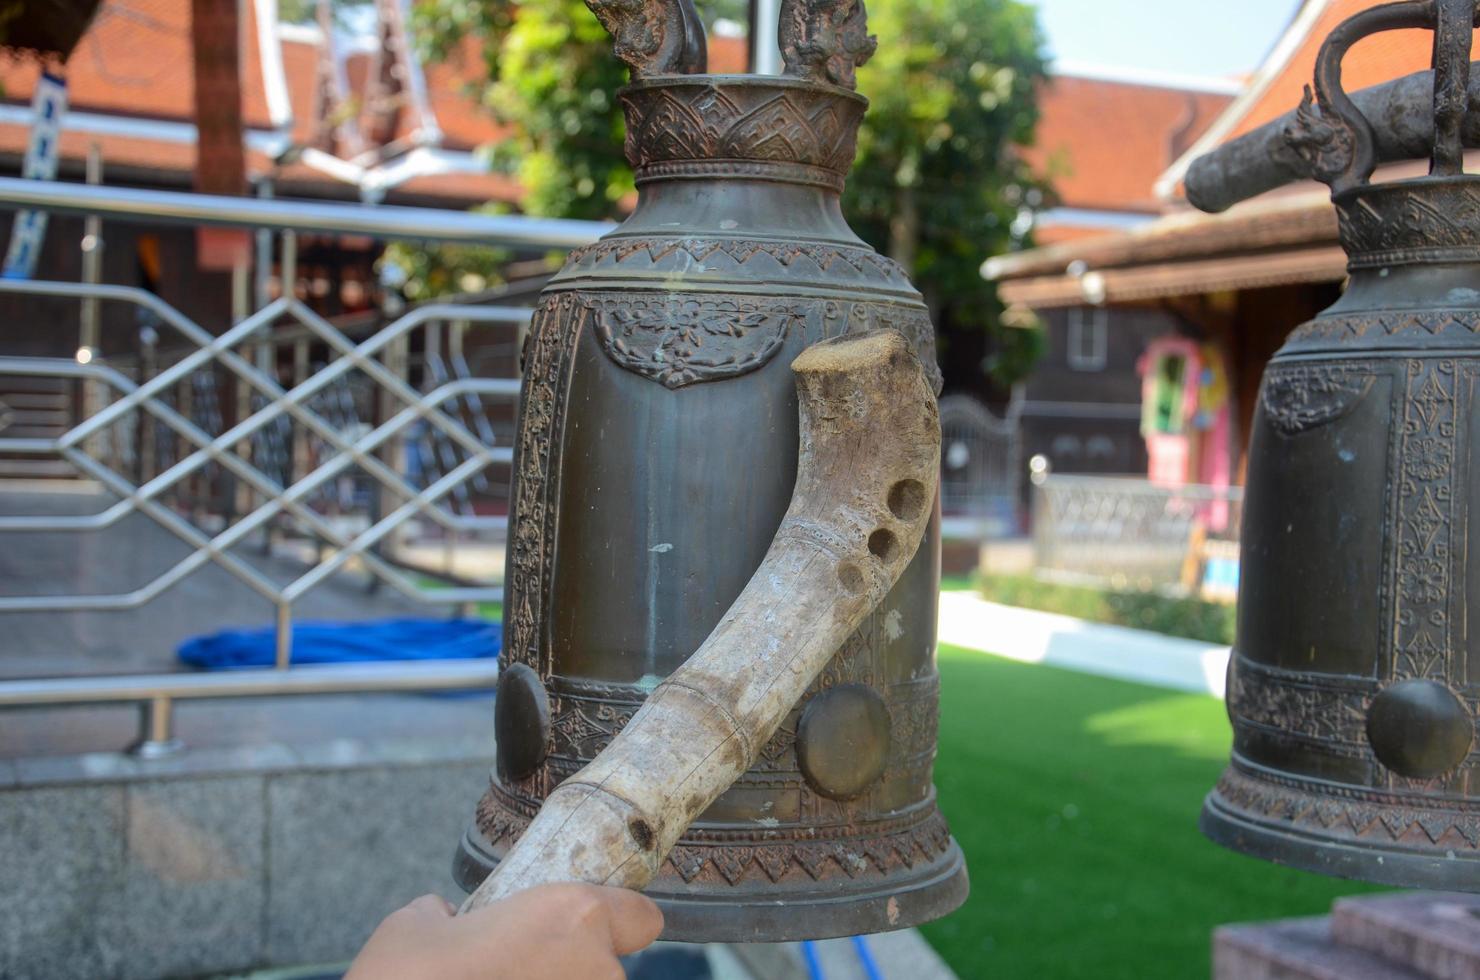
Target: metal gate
x,y
980,467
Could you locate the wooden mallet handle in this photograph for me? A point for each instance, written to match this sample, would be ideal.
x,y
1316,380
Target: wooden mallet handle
x,y
865,490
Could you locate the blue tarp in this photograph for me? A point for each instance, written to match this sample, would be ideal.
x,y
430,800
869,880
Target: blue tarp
x,y
328,643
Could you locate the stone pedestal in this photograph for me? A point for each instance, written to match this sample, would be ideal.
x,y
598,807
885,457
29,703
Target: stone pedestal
x,y
1401,936
224,860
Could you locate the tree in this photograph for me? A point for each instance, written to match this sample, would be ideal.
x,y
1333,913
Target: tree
x,y
552,80
937,184
344,12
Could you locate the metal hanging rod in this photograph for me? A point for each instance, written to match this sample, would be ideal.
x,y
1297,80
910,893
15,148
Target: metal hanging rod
x,y
381,221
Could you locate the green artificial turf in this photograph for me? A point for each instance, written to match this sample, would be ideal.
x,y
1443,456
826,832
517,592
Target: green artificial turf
x,y
956,583
1075,799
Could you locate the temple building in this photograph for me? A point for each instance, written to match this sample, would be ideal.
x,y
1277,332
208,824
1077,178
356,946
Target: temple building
x,y
1104,136
1220,292
328,111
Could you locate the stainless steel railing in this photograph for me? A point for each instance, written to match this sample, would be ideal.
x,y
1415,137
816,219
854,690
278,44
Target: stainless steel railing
x,y
157,693
385,222
1126,532
371,460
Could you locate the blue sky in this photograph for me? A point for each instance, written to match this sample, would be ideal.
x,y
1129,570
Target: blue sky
x,y
1201,37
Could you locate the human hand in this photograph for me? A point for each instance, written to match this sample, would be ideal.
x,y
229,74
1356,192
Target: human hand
x,y
551,932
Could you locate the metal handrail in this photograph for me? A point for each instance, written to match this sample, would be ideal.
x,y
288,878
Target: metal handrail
x,y
421,675
381,359
381,222
157,693
289,497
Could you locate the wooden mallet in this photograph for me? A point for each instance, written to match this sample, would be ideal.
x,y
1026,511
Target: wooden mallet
x,y
865,491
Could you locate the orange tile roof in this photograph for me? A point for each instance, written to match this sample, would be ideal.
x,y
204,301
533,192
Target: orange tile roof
x,y
457,189
123,151
1102,143
135,60
1054,234
728,55
255,111
300,68
473,187
1372,60
1274,89
452,91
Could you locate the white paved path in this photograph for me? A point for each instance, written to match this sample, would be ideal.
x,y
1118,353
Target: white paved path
x,y
967,620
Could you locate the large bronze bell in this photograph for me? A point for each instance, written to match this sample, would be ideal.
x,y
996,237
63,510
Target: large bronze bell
x,y
656,454
1355,680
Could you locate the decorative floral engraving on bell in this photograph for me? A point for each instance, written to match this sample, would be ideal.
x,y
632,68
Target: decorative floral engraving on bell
x,y
655,457
1355,680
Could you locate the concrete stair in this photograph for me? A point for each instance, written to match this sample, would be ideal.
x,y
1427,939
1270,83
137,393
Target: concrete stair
x,y
1435,933
34,408
1400,936
1296,949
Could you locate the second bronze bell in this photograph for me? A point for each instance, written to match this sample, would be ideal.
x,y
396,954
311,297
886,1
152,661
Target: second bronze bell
x,y
1355,682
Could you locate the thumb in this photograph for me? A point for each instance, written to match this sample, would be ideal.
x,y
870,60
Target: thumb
x,y
635,919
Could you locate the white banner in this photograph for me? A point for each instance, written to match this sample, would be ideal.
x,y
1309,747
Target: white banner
x,y
48,106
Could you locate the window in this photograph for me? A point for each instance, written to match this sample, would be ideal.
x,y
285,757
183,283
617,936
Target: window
x,y
1064,447
1087,338
1101,449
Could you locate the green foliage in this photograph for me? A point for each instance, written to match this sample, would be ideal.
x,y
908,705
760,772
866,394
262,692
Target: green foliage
x,y
1075,799
956,583
425,271
939,182
1195,619
1015,351
552,79
306,11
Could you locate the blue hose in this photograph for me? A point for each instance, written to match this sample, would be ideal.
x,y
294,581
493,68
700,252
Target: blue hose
x,y
865,958
814,965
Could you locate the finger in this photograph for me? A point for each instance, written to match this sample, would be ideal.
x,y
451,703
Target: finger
x,y
431,905
635,920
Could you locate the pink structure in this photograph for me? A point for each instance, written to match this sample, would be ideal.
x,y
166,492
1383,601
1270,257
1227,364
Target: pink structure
x,y
1185,418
